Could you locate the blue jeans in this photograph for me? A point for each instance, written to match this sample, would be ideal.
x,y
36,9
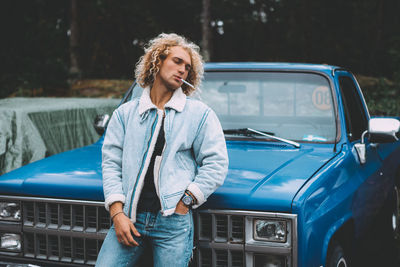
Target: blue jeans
x,y
170,238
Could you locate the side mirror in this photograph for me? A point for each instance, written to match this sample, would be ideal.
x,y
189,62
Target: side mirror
x,y
100,123
380,130
383,130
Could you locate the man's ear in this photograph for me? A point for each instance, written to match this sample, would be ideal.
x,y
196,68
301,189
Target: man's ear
x,y
163,56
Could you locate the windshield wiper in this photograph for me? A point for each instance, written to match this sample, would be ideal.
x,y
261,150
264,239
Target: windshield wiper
x,y
250,131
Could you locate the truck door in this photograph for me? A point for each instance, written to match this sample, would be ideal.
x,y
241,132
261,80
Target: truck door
x,y
370,195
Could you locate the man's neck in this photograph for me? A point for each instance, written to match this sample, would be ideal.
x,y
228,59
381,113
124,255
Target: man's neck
x,y
160,95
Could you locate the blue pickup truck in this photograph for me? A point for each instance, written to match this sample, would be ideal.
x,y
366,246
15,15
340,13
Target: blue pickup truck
x,y
309,172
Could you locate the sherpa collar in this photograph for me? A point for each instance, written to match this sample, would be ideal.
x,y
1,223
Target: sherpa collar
x,y
177,101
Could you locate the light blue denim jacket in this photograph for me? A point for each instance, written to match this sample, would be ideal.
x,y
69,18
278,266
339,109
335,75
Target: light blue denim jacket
x,y
194,156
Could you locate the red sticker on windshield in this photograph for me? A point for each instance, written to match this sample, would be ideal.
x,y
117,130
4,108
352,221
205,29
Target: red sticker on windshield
x,y
321,98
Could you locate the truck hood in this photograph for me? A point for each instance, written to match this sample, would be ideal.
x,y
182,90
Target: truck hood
x,y
262,176
266,177
74,174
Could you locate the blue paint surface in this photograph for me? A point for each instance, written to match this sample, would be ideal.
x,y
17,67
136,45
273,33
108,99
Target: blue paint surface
x,y
74,174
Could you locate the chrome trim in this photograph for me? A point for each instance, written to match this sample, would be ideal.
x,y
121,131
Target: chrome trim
x,y
250,236
274,250
334,69
9,263
251,213
52,200
263,239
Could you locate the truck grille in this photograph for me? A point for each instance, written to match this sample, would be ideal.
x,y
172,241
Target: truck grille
x,y
220,239
64,231
71,217
71,232
225,238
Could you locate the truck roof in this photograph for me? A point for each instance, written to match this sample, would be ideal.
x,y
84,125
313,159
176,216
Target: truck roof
x,y
269,66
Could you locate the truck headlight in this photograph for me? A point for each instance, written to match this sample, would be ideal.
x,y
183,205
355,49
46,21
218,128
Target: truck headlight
x,y
10,242
270,230
10,211
269,261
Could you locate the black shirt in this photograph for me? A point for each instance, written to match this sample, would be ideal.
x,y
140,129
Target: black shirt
x,y
148,200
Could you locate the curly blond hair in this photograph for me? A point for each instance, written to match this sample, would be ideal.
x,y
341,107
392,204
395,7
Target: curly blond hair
x,y
157,50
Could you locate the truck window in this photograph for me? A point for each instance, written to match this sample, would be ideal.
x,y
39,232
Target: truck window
x,y
292,105
356,119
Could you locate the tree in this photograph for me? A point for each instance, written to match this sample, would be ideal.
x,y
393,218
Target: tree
x,y
206,31
74,70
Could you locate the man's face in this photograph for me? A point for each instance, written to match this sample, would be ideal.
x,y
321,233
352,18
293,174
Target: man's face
x,y
175,67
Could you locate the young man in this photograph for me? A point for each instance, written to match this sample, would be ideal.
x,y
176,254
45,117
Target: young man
x,y
163,154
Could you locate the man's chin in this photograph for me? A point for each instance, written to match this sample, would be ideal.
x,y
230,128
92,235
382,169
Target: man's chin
x,y
172,87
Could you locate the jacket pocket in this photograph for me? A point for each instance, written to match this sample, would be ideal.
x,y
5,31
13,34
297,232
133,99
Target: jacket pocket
x,y
185,160
172,200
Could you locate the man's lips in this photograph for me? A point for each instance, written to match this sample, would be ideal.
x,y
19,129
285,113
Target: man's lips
x,y
178,78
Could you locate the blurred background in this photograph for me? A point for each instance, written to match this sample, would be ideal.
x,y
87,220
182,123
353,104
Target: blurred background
x,y
70,48
89,48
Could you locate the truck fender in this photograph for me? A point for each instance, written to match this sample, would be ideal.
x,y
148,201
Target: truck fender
x,y
334,229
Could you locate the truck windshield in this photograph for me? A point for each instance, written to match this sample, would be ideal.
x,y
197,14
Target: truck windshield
x,y
290,105
295,106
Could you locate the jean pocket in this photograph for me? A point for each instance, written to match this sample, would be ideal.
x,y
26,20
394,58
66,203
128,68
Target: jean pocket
x,y
182,214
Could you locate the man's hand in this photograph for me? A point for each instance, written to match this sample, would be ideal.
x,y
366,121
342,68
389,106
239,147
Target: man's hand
x,y
123,226
181,208
124,229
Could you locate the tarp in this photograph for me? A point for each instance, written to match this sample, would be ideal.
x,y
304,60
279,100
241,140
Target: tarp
x,y
33,128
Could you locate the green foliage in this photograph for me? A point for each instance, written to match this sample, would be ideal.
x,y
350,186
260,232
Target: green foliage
x,y
35,48
382,96
361,35
112,35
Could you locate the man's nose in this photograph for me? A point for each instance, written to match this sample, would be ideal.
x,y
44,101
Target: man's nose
x,y
181,69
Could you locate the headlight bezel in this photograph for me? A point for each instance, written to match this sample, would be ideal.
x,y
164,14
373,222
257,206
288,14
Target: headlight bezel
x,y
16,236
10,211
270,221
291,229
